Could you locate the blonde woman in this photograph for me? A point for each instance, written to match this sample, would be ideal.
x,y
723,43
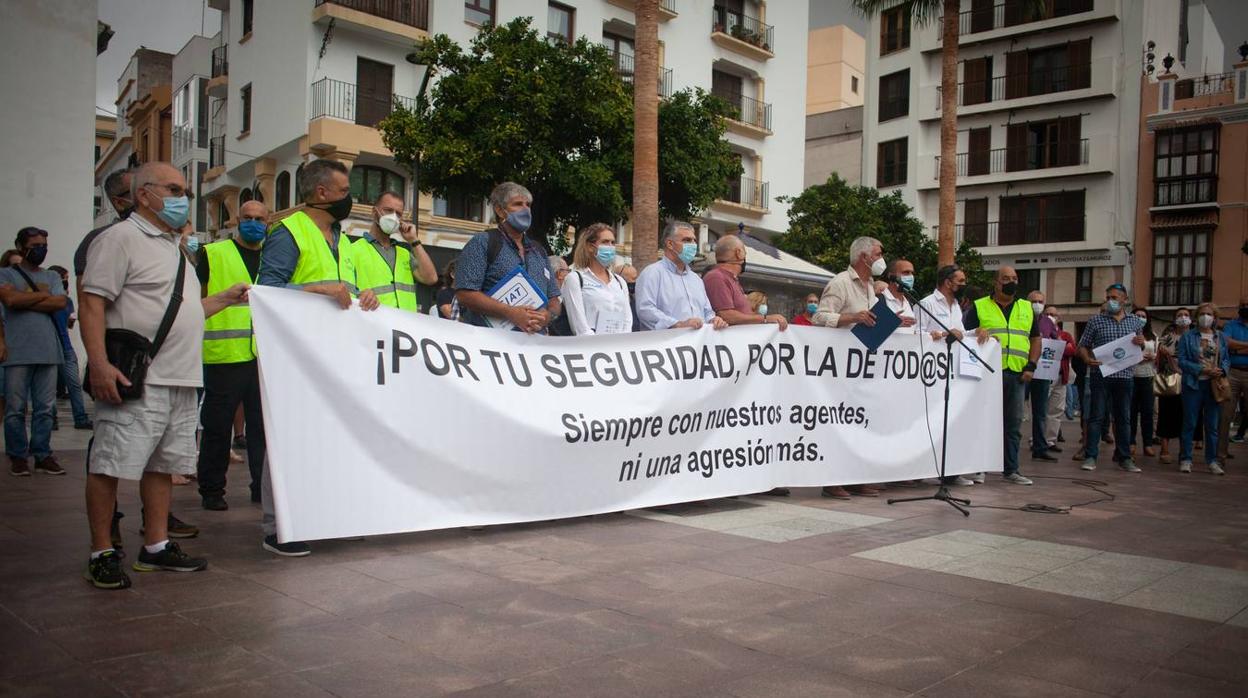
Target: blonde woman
x,y
595,298
758,302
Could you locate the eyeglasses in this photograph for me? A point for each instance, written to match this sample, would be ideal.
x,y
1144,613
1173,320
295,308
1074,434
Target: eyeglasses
x,y
175,190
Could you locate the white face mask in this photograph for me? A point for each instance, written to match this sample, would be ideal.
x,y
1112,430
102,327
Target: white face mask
x,y
1037,307
762,309
1205,320
388,223
1183,321
878,267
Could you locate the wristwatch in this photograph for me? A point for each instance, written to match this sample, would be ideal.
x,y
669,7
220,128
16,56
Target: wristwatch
x,y
1029,366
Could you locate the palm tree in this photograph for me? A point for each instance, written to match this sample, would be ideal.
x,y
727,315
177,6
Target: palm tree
x,y
645,213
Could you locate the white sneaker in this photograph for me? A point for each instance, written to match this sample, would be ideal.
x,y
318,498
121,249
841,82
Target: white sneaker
x,y
1185,466
963,481
1216,468
1130,466
978,478
1017,479
1088,464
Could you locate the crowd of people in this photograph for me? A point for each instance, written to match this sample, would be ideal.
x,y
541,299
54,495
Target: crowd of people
x,y
175,382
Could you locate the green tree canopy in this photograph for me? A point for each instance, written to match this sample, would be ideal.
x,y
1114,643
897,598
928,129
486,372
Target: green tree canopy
x,y
559,120
825,218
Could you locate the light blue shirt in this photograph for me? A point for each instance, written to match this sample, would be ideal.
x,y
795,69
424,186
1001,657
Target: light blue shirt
x,y
666,295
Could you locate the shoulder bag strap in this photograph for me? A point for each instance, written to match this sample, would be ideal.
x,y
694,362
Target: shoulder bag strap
x,y
29,281
171,312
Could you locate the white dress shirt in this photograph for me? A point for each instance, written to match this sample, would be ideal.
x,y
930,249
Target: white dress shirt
x,y
594,307
948,312
666,295
901,306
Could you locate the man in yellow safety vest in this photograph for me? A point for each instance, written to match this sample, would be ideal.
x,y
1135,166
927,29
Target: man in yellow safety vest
x,y
230,373
389,269
1010,320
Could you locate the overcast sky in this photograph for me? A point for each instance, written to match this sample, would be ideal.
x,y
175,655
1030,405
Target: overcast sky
x,y
164,25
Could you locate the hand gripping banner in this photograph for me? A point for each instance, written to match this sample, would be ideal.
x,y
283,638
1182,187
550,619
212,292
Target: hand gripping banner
x,y
392,421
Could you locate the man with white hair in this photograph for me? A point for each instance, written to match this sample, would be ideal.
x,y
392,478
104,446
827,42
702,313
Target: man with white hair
x,y
847,301
669,294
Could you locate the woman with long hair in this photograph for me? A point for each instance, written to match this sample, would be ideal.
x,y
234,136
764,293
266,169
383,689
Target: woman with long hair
x,y
1204,359
1170,407
1142,399
595,298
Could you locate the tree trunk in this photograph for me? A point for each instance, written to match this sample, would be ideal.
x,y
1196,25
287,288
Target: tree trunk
x,y
645,213
948,133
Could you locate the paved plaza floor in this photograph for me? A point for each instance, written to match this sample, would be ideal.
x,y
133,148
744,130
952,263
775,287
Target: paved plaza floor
x,y
1144,595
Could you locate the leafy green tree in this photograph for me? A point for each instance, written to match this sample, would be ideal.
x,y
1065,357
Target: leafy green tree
x,y
825,218
559,120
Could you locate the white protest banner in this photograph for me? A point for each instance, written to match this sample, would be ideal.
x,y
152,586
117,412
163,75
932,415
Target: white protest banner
x,y
1118,355
391,421
1049,367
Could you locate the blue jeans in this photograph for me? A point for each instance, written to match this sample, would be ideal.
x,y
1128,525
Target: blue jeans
x,y
1072,400
1111,399
1038,393
1012,392
1194,403
73,385
38,381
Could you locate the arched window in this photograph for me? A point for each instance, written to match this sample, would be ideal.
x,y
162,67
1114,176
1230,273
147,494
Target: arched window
x,y
299,183
223,214
368,183
244,196
282,191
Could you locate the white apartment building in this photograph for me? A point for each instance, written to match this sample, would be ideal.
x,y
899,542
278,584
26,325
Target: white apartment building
x,y
189,136
297,80
1048,129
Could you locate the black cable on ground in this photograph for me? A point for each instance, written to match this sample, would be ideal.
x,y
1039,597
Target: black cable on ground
x,y
1036,508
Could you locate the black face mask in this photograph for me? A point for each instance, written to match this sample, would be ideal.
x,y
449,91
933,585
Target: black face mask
x,y
959,292
1009,289
35,254
742,263
339,209
123,212
1243,312
632,288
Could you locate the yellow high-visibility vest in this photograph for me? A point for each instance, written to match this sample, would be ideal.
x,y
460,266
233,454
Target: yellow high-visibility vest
x,y
228,338
394,287
316,264
1015,335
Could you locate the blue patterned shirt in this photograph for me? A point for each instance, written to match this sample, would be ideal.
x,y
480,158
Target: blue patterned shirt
x,y
472,274
1103,329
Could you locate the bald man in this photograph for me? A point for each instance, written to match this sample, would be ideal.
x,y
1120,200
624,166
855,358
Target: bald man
x,y
231,376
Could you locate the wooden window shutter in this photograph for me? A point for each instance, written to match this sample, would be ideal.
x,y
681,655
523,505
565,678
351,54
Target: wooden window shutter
x,y
1079,58
1068,139
1015,74
980,157
1016,147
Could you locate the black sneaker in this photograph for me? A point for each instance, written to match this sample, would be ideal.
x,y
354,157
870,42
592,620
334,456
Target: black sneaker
x,y
104,572
19,467
240,443
215,503
115,530
171,558
176,528
291,549
49,466
87,425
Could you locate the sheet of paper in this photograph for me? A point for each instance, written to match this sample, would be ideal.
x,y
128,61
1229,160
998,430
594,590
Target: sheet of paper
x,y
1049,367
1120,354
968,365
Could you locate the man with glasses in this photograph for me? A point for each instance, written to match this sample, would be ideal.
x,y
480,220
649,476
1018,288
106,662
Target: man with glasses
x,y
669,294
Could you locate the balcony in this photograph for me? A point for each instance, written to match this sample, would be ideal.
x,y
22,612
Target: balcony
x,y
218,81
1204,86
667,8
745,197
343,115
1012,18
388,20
1027,163
216,152
743,34
624,67
1189,192
750,117
1032,88
1048,235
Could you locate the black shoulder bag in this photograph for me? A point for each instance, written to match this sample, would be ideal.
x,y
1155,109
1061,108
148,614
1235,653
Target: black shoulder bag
x,y
131,352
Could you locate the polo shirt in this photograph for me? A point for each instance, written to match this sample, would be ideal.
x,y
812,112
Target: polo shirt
x,y
1238,330
723,290
475,272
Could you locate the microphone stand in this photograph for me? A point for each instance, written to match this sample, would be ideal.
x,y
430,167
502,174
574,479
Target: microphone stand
x,y
942,492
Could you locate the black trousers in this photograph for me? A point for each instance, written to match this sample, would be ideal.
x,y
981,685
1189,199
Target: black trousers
x,y
225,386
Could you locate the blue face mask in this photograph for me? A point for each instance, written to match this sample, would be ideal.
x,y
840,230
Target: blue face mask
x,y
688,251
907,281
520,221
176,211
251,230
192,245
1113,306
605,254
812,308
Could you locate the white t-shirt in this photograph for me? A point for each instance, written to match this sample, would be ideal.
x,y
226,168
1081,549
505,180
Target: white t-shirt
x,y
133,265
594,307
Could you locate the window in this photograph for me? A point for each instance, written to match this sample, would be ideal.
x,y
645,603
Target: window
x,y
560,23
461,205
244,196
201,203
281,191
479,11
977,81
223,214
1083,285
248,15
97,153
1035,145
201,113
1017,12
1028,281
621,48
1047,70
244,96
1181,270
894,30
853,84
1186,166
374,91
299,179
890,163
368,183
979,156
975,222
1042,218
894,95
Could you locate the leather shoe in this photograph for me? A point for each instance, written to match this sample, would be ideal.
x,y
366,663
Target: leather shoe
x,y
215,503
1046,456
835,492
863,491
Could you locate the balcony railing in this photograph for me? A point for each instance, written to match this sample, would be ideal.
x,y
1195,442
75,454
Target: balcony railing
x,y
738,26
220,66
1021,158
624,67
747,110
1020,232
1009,14
746,191
1032,83
1179,191
1204,85
343,100
216,152
413,13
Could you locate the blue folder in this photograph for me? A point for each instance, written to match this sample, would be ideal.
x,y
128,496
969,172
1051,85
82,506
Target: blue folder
x,y
885,322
